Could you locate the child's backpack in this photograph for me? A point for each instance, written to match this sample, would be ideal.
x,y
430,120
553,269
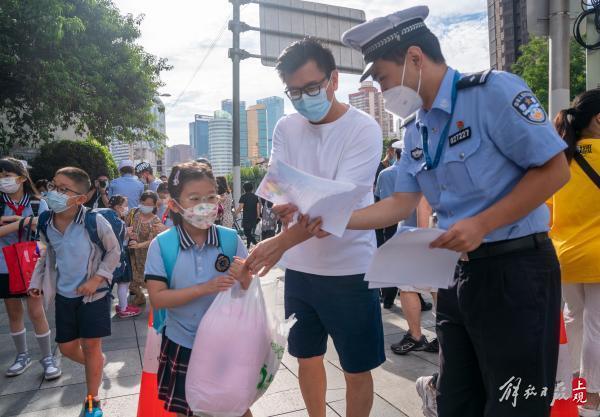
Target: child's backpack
x,y
169,250
118,227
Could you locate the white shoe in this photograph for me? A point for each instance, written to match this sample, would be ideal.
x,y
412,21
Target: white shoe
x,y
428,393
51,368
20,365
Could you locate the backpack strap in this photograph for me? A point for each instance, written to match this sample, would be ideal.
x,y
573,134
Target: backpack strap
x,y
35,207
587,168
228,241
43,222
91,225
168,242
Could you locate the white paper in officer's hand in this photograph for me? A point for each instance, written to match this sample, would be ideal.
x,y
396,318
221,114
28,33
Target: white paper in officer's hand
x,y
333,201
406,259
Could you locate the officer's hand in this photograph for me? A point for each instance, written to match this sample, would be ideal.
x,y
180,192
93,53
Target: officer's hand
x,y
285,212
464,236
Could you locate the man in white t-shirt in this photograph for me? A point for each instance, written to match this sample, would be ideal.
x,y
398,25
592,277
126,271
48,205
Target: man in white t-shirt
x,y
324,279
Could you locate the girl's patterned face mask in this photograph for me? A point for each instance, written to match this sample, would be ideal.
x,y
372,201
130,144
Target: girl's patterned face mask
x,y
202,215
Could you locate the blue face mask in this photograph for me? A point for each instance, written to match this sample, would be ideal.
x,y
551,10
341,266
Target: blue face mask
x,y
313,108
56,201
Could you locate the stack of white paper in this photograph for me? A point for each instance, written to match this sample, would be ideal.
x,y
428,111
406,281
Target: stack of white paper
x,y
331,200
406,259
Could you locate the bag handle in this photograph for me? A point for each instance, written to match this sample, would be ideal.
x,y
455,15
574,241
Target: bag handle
x,y
587,168
21,228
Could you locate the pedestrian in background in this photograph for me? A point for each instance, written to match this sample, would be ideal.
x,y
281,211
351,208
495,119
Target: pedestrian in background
x,y
127,185
141,224
249,205
226,201
576,236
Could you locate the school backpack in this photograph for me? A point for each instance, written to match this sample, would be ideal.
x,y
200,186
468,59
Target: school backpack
x,y
117,225
168,242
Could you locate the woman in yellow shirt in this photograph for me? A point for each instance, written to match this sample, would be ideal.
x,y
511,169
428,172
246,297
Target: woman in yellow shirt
x,y
576,236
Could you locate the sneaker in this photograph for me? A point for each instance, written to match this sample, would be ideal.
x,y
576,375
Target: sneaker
x,y
92,408
388,306
409,343
20,365
427,391
130,311
51,368
433,346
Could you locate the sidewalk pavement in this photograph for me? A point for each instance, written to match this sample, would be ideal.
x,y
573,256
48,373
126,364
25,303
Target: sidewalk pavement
x,y
29,396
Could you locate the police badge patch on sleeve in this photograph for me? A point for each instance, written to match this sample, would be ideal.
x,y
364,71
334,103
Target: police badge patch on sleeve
x,y
528,106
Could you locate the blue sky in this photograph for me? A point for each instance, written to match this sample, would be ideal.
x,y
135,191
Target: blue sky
x,y
183,30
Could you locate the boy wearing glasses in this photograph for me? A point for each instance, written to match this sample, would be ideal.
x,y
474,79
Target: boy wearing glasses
x,y
324,283
76,270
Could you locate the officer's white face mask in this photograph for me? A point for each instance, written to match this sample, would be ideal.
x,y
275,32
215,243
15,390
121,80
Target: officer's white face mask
x,y
402,100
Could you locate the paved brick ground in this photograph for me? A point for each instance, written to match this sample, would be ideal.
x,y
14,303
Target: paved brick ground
x,y
29,396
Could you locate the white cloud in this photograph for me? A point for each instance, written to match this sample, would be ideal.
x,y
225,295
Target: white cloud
x,y
183,30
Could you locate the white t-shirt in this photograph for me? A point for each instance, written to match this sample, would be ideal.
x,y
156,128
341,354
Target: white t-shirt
x,y
348,149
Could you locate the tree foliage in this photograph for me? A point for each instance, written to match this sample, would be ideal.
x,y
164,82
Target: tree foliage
x,y
90,155
533,67
252,175
74,63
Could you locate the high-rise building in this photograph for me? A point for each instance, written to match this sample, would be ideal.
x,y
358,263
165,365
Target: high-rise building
x,y
507,25
220,134
177,154
257,133
157,158
227,105
274,106
199,135
370,100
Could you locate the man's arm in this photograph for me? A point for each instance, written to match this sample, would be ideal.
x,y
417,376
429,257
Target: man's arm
x,y
386,212
239,208
423,213
533,190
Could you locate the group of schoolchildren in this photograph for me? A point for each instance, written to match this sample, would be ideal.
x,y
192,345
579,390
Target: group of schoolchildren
x,y
84,252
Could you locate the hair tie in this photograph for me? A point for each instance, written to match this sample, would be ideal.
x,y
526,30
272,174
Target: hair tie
x,y
571,111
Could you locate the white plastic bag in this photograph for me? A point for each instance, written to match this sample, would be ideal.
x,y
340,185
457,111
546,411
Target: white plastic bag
x,y
236,353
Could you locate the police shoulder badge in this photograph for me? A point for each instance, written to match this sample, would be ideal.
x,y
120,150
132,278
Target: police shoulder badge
x,y
416,153
223,263
529,107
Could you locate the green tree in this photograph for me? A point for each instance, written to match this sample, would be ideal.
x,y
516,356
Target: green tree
x,y
533,66
90,155
252,175
74,63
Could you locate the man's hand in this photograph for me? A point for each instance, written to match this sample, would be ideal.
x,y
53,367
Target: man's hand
x,y
464,236
265,255
240,272
313,227
285,212
218,284
34,292
90,286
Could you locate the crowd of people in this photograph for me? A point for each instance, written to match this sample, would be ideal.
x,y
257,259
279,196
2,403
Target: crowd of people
x,y
517,196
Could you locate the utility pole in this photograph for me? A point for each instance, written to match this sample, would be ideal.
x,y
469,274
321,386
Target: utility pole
x,y
592,57
559,30
234,54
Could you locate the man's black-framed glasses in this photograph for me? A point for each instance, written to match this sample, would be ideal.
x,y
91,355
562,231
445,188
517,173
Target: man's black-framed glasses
x,y
63,190
311,90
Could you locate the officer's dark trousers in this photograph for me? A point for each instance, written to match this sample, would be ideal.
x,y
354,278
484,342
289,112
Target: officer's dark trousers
x,y
500,319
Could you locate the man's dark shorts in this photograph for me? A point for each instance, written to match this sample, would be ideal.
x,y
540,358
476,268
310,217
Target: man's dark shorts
x,y
78,320
342,307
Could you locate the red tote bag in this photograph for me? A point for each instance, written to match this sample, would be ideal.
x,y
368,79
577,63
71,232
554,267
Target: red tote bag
x,y
21,258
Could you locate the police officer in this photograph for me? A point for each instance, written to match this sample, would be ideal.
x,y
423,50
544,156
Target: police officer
x,y
483,153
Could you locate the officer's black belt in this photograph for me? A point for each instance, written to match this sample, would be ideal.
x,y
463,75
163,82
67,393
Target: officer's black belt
x,y
504,247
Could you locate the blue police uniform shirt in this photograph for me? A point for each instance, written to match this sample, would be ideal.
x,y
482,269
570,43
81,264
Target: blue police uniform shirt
x,y
13,238
498,132
128,186
195,265
73,250
384,188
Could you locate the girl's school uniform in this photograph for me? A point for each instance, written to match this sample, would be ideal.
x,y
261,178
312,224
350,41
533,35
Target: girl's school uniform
x,y
195,265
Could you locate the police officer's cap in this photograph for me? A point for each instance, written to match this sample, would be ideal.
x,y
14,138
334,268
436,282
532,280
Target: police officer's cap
x,y
142,166
377,36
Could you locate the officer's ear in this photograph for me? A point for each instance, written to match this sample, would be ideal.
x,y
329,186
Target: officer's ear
x,y
334,80
414,56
